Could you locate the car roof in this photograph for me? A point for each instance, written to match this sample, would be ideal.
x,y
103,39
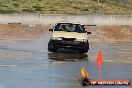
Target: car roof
x,y
68,23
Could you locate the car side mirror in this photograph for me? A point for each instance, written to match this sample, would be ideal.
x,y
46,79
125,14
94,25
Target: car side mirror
x,y
50,29
88,32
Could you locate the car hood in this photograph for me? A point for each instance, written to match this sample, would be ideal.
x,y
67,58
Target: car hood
x,y
69,35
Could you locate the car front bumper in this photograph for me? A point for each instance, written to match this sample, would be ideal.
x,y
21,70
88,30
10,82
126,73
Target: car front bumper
x,y
69,44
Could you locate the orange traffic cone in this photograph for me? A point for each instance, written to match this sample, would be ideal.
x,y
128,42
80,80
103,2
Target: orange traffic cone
x,y
99,59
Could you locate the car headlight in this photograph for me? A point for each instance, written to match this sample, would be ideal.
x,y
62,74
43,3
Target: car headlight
x,y
56,38
82,40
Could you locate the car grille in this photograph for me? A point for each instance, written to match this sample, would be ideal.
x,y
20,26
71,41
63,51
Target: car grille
x,y
68,39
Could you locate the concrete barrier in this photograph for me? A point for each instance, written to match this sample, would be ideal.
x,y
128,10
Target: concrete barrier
x,y
52,19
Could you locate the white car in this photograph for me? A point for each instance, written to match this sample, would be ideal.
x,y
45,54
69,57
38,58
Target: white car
x,y
69,35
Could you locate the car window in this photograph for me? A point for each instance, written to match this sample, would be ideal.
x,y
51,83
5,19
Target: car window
x,y
69,27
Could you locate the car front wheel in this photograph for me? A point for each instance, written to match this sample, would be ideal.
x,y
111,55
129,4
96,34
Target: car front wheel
x,y
51,48
84,50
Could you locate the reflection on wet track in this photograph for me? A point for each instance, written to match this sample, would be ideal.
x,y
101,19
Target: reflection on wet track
x,y
29,65
67,57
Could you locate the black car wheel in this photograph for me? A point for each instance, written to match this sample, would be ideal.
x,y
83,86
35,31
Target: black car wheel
x,y
85,49
51,48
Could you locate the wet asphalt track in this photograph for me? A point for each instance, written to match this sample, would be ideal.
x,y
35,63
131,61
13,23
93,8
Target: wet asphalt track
x,y
27,64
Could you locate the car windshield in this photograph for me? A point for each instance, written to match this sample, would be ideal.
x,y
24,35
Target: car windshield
x,y
70,27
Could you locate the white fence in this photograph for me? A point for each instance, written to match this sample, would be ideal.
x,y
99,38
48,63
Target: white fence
x,y
52,19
